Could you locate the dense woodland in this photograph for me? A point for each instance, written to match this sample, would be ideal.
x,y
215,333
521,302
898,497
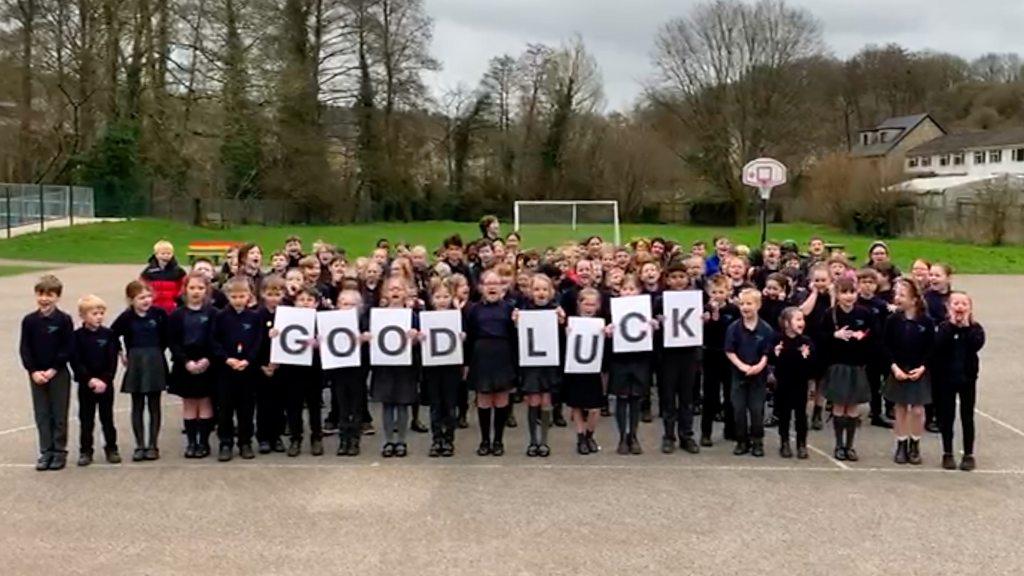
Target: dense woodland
x,y
323,102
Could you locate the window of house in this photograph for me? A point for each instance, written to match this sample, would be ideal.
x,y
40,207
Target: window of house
x,y
958,159
926,161
979,157
995,156
912,162
944,160
865,139
883,137
1018,155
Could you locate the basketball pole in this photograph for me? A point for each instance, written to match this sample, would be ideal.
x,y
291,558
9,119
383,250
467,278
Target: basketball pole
x,y
765,193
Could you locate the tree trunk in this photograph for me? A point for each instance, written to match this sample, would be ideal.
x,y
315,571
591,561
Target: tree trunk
x,y
27,16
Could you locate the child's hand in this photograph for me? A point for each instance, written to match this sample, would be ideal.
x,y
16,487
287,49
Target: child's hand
x,y
916,373
241,365
462,336
191,367
98,386
899,373
609,330
203,363
365,337
38,377
561,315
50,374
413,334
313,343
269,369
891,307
232,363
654,323
844,334
778,349
274,333
859,335
515,316
707,316
805,351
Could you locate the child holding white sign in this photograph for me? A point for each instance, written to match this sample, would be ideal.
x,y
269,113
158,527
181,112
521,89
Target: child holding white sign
x,y
395,387
442,384
679,368
537,383
304,385
629,378
348,385
584,393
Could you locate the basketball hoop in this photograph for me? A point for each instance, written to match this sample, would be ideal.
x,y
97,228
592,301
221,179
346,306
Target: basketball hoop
x,y
764,174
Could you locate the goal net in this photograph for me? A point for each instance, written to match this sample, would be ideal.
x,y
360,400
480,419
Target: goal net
x,y
552,222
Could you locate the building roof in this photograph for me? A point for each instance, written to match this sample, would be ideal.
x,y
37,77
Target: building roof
x,y
969,140
903,123
945,183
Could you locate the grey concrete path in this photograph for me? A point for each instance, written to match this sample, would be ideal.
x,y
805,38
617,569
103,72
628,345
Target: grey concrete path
x,y
652,514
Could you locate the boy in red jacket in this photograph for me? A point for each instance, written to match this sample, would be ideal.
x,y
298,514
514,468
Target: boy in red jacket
x,y
163,275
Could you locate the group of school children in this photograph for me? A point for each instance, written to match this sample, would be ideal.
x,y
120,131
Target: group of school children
x,y
796,333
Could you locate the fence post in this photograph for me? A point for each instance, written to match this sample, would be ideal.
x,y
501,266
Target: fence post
x,y
42,211
7,189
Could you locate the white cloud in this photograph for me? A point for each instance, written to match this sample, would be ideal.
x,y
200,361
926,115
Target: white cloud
x,y
620,33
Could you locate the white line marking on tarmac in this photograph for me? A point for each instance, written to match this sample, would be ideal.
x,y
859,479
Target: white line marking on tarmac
x,y
829,457
72,412
375,465
1009,427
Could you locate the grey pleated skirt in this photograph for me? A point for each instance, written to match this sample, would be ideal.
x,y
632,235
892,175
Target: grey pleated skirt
x,y
845,384
147,371
908,392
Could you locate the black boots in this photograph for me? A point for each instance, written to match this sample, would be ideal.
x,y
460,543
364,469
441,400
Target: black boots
x,y
900,457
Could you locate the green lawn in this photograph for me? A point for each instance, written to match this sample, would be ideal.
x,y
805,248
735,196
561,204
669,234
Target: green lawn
x,y
6,270
131,242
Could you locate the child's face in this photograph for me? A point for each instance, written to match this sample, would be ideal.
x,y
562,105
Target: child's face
x,y
486,255
615,277
195,291
305,300
499,251
239,299
337,269
622,259
279,262
836,270
348,301
588,306
372,273
272,298
650,274
325,257
629,289
143,301
453,253
584,272
959,306
657,249
293,281
562,265
816,248
380,256
879,254
94,318
254,258
396,293
462,292
594,246
736,270
493,287
719,294
607,260
46,301
772,290
847,299
867,287
541,292
820,280
772,254
749,306
512,244
722,246
677,280
311,274
164,255
797,323
441,299
232,257
293,248
937,279
523,283
418,259
205,268
920,272
695,268
791,264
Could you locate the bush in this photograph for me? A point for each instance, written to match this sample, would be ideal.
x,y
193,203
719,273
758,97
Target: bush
x,y
856,195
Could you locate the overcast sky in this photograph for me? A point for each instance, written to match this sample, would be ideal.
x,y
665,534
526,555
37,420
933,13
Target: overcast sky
x,y
467,33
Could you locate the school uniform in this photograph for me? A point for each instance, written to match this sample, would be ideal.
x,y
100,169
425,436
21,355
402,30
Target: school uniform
x,y
936,302
586,391
748,393
237,335
190,339
771,310
441,387
760,276
792,376
96,356
845,377
47,343
717,380
271,397
541,379
303,389
145,339
218,300
955,374
348,390
677,377
876,368
491,347
908,344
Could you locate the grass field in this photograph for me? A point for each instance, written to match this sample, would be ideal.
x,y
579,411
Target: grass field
x,y
14,270
131,242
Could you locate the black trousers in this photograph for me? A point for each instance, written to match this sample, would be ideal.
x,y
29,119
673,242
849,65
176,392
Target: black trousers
x,y
236,393
50,406
270,407
348,394
89,403
304,385
717,383
442,387
748,396
676,381
791,406
945,394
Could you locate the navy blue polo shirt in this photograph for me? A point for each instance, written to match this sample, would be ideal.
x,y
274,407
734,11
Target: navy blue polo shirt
x,y
749,345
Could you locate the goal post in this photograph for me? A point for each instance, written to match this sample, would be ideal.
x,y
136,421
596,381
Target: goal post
x,y
580,215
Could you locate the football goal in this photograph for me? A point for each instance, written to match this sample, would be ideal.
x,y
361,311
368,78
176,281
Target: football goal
x,y
550,222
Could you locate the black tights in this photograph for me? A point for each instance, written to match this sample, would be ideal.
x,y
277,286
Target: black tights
x,y
141,402
627,415
945,406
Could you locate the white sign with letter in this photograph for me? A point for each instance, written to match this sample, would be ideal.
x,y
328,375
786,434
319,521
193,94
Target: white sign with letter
x,y
683,325
389,329
443,343
631,316
584,345
295,326
340,345
538,338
